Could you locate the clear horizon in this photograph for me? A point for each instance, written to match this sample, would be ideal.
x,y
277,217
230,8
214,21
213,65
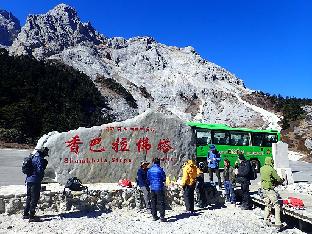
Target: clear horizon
x,y
266,44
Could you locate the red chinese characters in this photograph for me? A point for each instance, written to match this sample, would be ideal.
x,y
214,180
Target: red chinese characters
x,y
164,145
143,144
74,144
121,144
94,142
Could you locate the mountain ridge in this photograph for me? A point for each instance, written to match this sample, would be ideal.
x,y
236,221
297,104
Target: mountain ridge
x,y
147,73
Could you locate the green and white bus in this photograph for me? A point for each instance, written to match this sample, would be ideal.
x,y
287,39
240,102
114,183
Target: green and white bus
x,y
256,145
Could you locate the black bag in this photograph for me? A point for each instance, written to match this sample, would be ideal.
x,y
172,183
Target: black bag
x,y
27,167
74,184
252,172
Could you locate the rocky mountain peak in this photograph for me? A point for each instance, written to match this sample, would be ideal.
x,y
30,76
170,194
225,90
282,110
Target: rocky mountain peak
x,y
63,10
50,33
9,28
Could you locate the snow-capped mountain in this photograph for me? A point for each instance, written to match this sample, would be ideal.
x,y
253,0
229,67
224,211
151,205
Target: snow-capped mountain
x,y
140,73
9,28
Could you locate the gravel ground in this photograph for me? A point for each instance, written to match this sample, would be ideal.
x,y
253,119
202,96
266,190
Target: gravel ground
x,y
224,220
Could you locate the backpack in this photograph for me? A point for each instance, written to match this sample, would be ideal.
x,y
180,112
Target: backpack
x,y
252,173
125,183
74,184
27,167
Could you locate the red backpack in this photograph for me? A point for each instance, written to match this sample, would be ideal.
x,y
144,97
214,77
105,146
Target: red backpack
x,y
294,203
125,183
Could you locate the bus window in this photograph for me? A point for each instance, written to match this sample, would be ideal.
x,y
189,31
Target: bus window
x,y
203,138
269,139
221,138
257,139
240,138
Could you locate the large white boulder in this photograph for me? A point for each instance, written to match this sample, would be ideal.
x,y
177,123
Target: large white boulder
x,y
97,155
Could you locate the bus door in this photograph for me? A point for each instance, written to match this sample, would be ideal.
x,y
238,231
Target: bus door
x,y
262,145
203,139
221,139
240,142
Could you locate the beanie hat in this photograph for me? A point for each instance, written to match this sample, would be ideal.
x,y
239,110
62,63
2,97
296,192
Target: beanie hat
x,y
212,147
241,157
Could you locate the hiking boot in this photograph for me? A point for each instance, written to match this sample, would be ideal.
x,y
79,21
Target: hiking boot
x,y
155,218
26,216
268,223
163,219
278,226
34,219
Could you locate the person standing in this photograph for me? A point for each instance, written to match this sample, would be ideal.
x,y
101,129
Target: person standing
x,y
229,181
156,178
269,180
243,173
200,186
188,183
33,182
142,183
213,159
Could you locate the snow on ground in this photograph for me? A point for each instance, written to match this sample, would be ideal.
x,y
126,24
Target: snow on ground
x,y
56,187
301,188
294,156
224,220
270,117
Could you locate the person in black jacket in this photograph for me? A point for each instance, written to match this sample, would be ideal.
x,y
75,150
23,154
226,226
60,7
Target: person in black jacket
x,y
243,173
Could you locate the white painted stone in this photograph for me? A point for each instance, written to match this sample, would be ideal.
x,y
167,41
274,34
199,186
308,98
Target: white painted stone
x,y
281,161
280,155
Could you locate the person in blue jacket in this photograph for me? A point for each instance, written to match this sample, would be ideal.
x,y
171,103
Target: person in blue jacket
x,y
156,178
213,159
33,182
143,183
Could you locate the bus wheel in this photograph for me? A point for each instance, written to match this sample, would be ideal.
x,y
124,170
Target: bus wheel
x,y
256,164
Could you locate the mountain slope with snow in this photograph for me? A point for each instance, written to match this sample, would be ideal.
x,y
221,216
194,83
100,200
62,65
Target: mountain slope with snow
x,y
151,74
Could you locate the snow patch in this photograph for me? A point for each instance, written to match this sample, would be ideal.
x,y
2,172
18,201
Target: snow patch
x,y
294,156
270,117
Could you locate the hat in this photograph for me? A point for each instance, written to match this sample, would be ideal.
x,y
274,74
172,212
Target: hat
x,y
144,162
241,157
201,165
212,147
157,161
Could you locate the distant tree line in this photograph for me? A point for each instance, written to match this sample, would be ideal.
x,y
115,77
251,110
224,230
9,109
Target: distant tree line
x,y
290,107
37,97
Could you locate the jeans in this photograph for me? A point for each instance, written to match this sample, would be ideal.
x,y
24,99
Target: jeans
x,y
33,195
189,197
158,198
217,171
146,196
229,191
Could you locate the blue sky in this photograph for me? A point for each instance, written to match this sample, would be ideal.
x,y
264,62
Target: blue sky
x,y
268,44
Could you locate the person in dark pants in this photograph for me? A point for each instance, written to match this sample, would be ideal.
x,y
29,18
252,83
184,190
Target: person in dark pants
x,y
156,178
213,159
33,182
243,173
200,186
143,183
188,184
